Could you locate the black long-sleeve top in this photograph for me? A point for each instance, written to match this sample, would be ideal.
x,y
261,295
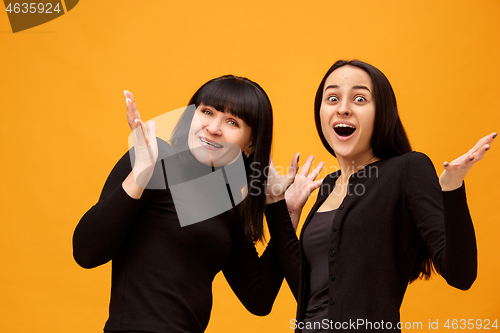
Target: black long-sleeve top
x,y
392,206
162,273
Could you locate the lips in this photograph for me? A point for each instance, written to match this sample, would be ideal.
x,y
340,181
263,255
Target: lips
x,y
209,144
344,130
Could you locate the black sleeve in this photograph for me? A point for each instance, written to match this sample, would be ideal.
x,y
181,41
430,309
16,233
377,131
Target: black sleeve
x,y
286,243
102,230
444,222
255,281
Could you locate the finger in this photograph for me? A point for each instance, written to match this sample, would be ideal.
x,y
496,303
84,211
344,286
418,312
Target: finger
x,y
294,166
478,155
449,167
314,174
132,112
311,187
316,184
129,95
139,122
138,136
305,169
151,130
487,140
151,127
272,169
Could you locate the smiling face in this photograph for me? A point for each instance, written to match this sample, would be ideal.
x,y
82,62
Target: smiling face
x,y
348,112
218,138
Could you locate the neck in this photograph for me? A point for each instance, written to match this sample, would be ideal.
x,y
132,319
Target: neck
x,y
350,165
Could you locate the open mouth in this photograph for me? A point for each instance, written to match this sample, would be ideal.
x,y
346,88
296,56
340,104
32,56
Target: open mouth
x,y
210,144
344,130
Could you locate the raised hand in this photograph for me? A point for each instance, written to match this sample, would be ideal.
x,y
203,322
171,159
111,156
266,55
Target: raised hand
x,y
276,183
298,193
454,172
145,148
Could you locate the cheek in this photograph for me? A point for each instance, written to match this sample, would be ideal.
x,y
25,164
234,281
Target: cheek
x,y
244,136
243,140
368,124
371,123
324,117
195,125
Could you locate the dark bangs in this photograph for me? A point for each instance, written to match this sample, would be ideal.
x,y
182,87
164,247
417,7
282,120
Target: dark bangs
x,y
234,95
246,100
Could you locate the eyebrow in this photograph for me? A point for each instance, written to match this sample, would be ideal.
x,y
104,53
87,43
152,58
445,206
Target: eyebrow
x,y
361,87
334,86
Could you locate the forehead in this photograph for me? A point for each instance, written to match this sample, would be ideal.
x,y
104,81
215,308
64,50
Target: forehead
x,y
346,77
226,111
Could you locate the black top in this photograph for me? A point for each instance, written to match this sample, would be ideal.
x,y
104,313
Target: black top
x,y
316,244
162,273
392,206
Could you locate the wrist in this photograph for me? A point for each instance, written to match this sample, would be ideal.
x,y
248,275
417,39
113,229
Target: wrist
x,y
270,199
294,217
451,187
130,186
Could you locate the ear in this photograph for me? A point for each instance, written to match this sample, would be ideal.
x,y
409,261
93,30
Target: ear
x,y
249,149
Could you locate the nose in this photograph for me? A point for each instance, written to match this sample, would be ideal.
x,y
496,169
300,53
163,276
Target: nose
x,y
345,113
213,127
344,109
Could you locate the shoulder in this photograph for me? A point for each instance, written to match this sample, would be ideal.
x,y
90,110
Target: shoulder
x,y
418,157
419,171
409,160
418,161
412,167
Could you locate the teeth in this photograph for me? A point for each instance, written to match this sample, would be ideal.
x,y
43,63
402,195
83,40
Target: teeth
x,y
344,125
213,144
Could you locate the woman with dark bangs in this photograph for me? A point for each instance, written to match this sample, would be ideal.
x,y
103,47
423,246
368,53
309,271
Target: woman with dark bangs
x,y
162,264
380,222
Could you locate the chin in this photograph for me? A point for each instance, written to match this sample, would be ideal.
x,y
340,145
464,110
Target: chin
x,y
215,158
343,149
203,158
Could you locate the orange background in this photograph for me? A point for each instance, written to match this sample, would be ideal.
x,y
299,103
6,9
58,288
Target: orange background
x,y
64,126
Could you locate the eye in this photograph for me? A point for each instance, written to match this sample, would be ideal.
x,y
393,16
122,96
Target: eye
x,y
332,99
206,112
359,99
232,123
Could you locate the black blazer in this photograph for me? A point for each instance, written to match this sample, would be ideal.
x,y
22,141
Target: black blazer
x,y
392,208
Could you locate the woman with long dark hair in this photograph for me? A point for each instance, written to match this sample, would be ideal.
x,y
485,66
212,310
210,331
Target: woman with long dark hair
x,y
380,222
168,238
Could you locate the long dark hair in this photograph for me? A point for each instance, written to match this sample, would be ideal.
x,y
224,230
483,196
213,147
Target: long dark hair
x,y
389,137
246,100
388,140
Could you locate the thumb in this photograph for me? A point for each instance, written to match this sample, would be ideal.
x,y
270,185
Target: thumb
x,y
138,135
316,184
294,166
272,169
151,128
